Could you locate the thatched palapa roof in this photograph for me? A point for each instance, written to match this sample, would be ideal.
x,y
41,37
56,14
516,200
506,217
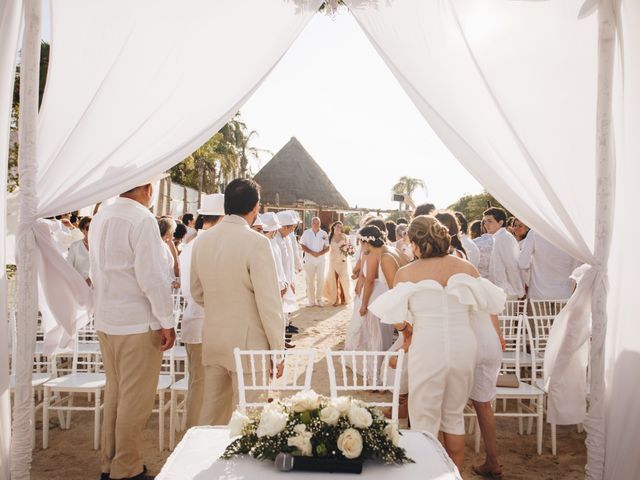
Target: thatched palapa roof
x,y
294,176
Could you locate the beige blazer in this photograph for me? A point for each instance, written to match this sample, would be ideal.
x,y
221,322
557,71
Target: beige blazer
x,y
233,275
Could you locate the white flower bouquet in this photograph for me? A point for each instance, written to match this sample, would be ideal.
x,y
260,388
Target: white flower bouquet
x,y
310,425
347,250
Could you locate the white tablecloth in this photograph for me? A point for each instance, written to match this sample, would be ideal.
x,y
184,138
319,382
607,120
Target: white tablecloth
x,y
197,458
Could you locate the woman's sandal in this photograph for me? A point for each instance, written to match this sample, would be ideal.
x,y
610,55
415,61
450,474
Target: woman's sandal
x,y
496,475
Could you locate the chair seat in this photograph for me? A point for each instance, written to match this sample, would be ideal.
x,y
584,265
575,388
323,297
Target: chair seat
x,y
164,382
78,382
88,348
181,385
510,358
179,353
523,390
37,379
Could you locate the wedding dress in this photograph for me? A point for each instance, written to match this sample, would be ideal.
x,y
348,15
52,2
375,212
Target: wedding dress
x,y
442,356
341,265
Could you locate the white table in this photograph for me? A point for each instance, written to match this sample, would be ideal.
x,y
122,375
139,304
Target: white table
x,y
197,458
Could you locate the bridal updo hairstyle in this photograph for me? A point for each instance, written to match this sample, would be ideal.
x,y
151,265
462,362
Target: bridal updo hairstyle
x,y
430,236
372,235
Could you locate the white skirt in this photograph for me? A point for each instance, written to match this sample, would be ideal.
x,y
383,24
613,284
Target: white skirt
x,y
488,358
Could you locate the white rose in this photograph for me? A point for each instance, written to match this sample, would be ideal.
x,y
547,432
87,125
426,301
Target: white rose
x,y
271,423
343,404
391,430
237,423
304,401
302,441
360,417
330,415
350,443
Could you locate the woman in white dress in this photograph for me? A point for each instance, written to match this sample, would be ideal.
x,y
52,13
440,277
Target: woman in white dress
x,y
78,255
440,292
337,286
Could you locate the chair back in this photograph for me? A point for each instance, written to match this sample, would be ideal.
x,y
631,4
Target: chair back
x,y
368,371
544,313
255,373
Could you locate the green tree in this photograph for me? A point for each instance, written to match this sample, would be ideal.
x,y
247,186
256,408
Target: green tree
x,y
472,206
406,186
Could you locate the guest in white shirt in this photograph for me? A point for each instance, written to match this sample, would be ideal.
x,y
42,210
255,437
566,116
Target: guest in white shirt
x,y
473,252
520,231
167,226
315,244
297,251
78,255
209,215
503,268
188,221
550,269
283,239
135,323
484,242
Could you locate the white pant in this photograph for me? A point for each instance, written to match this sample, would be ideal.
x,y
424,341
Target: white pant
x,y
314,271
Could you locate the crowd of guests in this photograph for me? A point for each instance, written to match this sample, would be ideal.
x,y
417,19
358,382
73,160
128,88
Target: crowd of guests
x,y
431,285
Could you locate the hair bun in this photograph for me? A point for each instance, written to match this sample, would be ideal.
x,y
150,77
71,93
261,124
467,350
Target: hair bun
x,y
431,237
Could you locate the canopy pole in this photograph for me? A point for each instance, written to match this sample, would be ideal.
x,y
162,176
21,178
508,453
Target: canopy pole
x,y
26,323
605,201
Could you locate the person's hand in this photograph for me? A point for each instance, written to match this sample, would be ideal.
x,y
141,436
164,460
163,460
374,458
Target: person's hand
x,y
393,362
175,284
168,336
278,370
503,344
363,310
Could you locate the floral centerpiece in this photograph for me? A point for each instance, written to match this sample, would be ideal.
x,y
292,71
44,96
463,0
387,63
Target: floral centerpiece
x,y
311,425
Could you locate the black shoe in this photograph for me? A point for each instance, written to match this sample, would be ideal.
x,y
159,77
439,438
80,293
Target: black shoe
x,y
104,476
288,337
141,476
292,329
289,345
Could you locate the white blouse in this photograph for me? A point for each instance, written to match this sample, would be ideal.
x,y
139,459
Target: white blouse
x,y
78,257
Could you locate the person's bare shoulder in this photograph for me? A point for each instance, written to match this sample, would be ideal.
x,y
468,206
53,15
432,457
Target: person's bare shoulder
x,y
464,266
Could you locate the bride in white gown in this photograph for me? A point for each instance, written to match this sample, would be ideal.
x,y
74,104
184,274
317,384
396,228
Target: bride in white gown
x,y
441,293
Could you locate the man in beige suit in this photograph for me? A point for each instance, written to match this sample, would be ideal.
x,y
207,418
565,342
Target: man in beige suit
x,y
233,275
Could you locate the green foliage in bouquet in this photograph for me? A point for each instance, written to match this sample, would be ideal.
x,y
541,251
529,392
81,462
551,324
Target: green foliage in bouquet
x,y
315,426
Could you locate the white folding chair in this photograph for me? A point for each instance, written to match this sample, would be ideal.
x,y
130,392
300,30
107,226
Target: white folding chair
x,y
166,378
87,376
178,407
369,371
516,333
543,313
523,393
261,365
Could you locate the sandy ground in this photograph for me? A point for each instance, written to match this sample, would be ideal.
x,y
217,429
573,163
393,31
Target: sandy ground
x,y
70,455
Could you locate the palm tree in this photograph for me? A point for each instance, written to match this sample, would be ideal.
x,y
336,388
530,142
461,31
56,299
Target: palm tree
x,y
406,186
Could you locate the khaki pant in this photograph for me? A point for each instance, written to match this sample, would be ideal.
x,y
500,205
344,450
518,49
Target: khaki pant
x,y
196,383
132,365
221,395
314,271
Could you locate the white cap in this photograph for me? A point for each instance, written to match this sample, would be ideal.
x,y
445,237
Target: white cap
x,y
270,222
286,218
212,204
258,222
294,214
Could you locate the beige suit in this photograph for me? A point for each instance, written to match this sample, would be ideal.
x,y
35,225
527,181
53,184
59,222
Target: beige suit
x,y
233,275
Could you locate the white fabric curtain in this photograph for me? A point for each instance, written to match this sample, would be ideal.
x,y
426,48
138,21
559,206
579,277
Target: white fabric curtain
x,y
512,88
132,89
621,413
10,20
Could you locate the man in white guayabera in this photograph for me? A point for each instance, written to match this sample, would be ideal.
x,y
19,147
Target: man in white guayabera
x,y
315,244
503,267
134,320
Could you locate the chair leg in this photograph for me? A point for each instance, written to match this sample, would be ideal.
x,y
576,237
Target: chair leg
x,y
33,420
477,435
96,420
45,419
519,405
540,426
172,420
580,428
70,404
554,440
161,419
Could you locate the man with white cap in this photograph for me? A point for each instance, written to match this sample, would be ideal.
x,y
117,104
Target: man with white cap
x,y
209,214
287,224
315,244
134,320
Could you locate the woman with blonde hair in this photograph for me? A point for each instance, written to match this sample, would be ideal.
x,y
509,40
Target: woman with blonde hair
x,y
433,304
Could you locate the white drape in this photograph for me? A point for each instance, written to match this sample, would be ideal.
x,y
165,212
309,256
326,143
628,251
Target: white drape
x,y
10,18
623,330
512,89
132,89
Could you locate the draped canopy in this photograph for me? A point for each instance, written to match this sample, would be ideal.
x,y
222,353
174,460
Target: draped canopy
x,y
526,94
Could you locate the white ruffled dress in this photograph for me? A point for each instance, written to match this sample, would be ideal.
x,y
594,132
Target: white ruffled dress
x,y
445,348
